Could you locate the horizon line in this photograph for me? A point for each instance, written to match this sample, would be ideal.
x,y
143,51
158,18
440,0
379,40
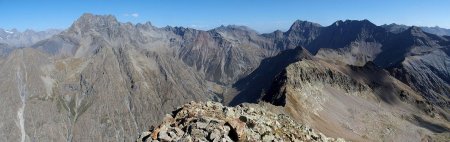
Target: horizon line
x,y
214,27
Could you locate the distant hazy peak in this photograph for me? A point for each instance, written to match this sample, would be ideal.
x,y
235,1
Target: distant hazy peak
x,y
234,28
398,28
16,38
11,31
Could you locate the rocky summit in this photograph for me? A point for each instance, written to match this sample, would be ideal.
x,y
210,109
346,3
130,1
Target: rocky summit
x,y
210,121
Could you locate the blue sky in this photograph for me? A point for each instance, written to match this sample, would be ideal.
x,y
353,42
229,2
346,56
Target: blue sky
x,y
261,15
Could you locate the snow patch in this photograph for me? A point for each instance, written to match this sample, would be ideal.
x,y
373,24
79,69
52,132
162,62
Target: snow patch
x,y
9,32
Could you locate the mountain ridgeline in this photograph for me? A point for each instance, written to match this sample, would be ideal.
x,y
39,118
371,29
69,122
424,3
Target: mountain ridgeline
x,y
103,80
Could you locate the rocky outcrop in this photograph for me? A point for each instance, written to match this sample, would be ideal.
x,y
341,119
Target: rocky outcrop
x,y
213,122
305,74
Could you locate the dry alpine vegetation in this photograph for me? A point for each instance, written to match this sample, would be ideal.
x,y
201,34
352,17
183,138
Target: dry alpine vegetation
x,y
103,80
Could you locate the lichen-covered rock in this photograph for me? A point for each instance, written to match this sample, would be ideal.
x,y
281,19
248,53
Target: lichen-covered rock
x,y
213,122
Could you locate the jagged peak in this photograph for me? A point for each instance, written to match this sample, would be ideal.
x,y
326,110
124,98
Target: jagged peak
x,y
177,28
148,23
364,22
299,24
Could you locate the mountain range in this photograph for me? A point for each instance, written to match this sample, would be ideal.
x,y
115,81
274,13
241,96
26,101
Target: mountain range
x,y
16,38
397,28
103,80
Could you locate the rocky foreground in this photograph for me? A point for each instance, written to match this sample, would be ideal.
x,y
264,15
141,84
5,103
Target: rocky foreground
x,y
211,121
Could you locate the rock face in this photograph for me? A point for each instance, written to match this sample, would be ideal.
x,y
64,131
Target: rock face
x,y
251,87
301,33
213,122
224,54
413,56
419,59
351,42
356,103
427,73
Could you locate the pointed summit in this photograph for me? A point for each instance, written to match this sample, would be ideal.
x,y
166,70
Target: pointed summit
x,y
415,31
299,24
90,21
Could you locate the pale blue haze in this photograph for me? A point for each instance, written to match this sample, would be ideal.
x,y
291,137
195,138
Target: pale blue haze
x,y
261,15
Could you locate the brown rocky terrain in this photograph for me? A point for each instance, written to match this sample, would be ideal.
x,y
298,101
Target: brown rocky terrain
x,y
213,122
356,103
103,80
97,79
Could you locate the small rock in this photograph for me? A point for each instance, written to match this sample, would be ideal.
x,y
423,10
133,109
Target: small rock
x,y
268,138
187,138
214,135
201,125
179,131
164,136
243,118
144,136
197,133
226,139
155,134
209,104
173,135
